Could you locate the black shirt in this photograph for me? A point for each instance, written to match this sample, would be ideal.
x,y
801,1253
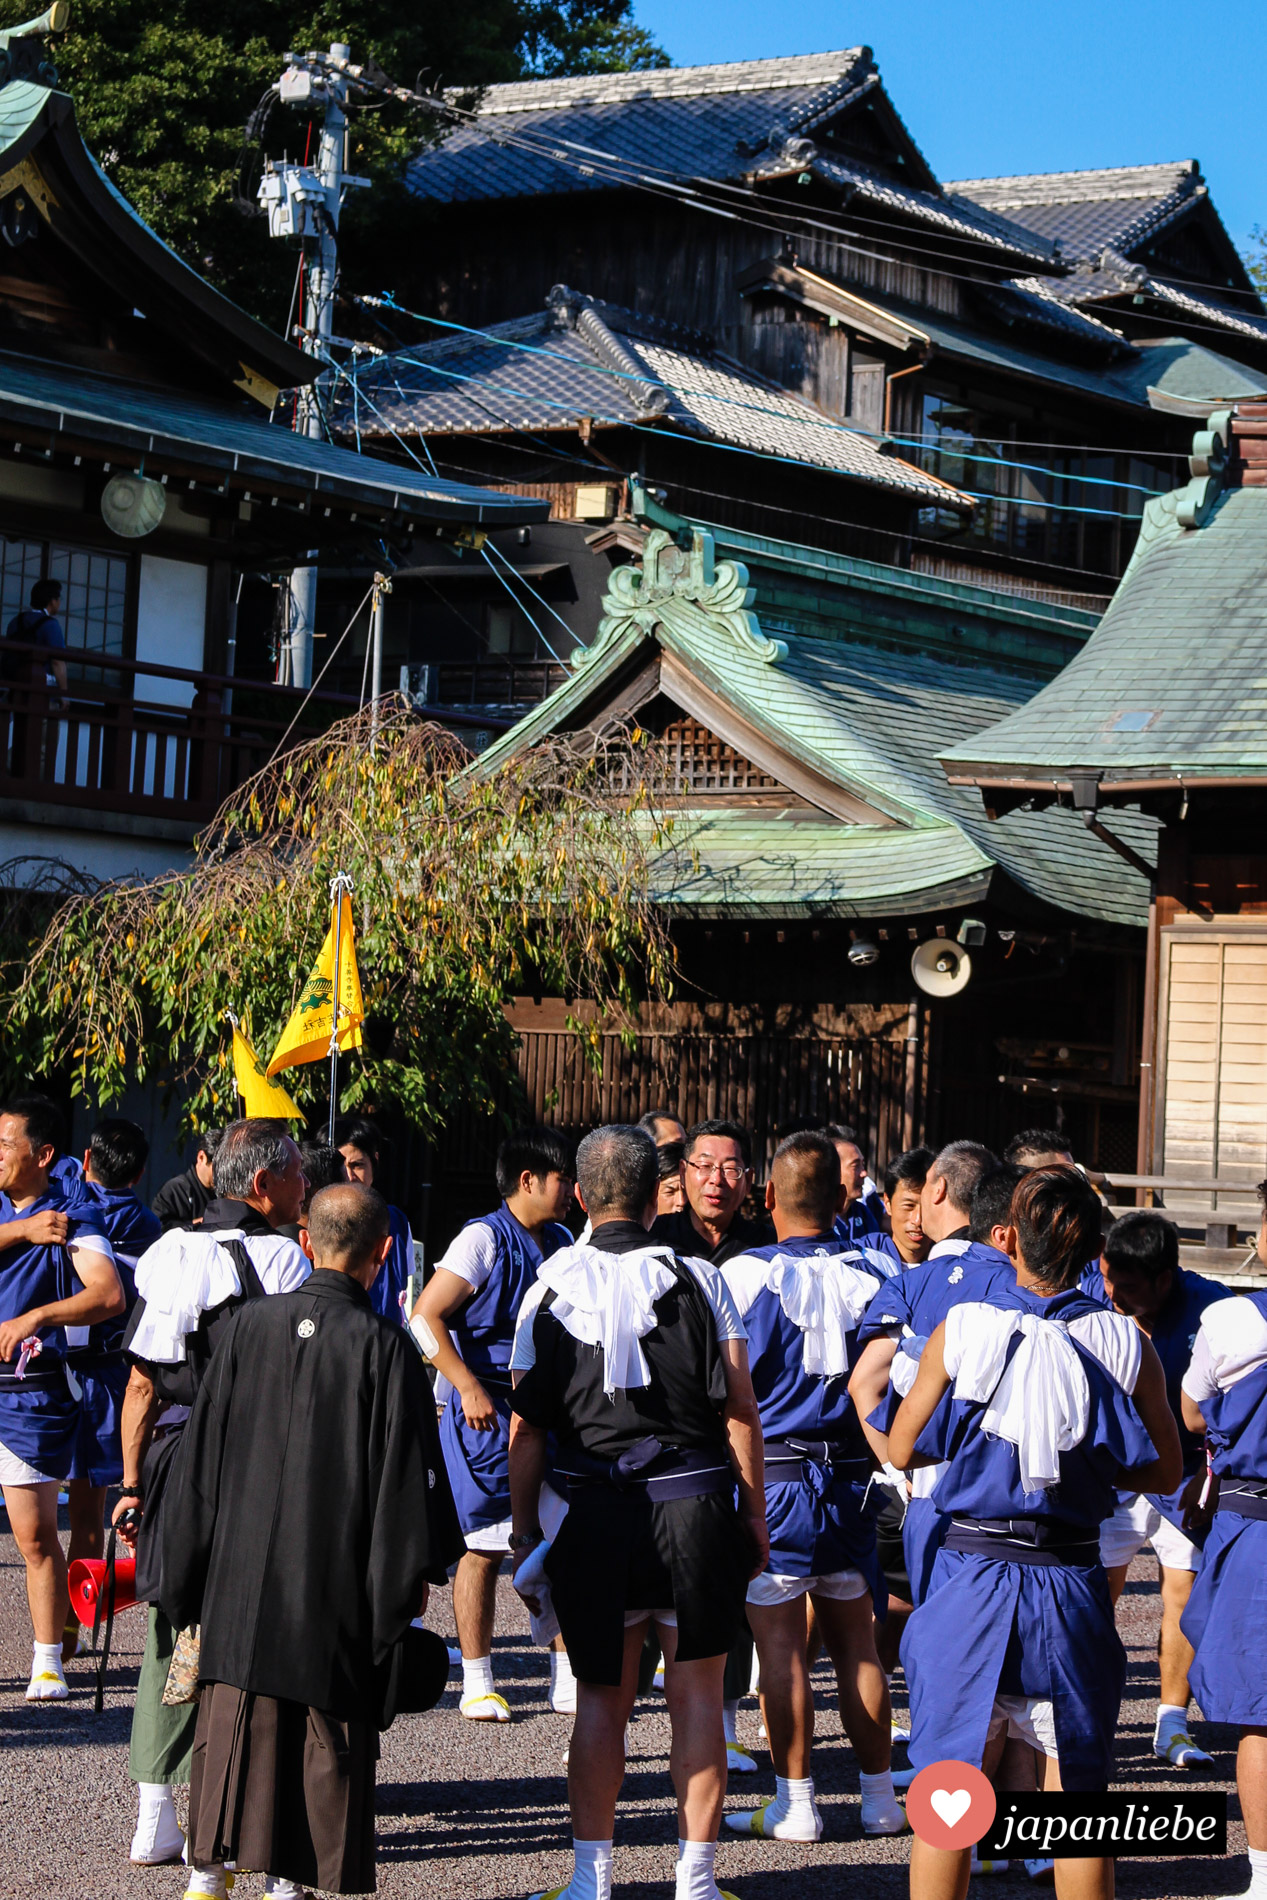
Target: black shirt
x,y
680,1232
181,1200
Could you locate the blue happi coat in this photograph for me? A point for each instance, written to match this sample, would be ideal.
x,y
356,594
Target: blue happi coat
x,y
820,1517
1226,1617
483,1331
39,1415
914,1306
994,1626
98,1362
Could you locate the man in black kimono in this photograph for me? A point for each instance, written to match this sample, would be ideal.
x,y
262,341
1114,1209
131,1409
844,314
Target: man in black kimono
x,y
311,1514
636,1361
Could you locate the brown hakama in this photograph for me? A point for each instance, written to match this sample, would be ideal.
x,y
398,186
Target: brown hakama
x,y
283,1789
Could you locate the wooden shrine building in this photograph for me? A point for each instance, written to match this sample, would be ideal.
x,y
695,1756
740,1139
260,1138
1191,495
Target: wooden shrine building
x,y
1164,713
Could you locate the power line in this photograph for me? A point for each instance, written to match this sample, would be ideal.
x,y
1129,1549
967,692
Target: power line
x,y
618,171
810,418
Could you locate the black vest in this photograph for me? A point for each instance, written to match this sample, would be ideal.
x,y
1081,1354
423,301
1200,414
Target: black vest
x,y
682,1405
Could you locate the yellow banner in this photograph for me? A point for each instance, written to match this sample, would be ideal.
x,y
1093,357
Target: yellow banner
x,y
259,1095
306,1037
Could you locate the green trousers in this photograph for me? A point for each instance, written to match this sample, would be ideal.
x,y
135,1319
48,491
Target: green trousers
x,y
162,1737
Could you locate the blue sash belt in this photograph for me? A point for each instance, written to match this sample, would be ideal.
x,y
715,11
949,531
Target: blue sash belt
x,y
681,1474
1023,1540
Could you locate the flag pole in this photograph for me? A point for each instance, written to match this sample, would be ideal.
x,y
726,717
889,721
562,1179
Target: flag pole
x,y
238,1096
339,883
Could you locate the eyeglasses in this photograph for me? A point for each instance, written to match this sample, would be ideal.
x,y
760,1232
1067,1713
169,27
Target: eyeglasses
x,y
732,1172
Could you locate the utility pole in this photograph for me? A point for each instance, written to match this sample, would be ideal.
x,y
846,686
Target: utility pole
x,y
304,201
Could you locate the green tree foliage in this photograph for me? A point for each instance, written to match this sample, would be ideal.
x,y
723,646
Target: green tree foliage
x,y
1256,257
163,89
470,888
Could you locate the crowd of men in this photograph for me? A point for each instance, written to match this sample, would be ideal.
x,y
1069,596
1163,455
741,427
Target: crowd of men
x,y
922,1425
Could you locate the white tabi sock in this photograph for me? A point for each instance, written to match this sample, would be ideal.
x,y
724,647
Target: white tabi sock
x,y
729,1710
793,1797
477,1676
591,1871
46,1656
1169,1718
283,1889
562,1683
153,1794
1257,1888
695,1879
880,1806
208,1880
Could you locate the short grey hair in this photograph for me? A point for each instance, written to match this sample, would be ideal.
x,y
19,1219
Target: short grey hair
x,y
248,1148
961,1165
617,1170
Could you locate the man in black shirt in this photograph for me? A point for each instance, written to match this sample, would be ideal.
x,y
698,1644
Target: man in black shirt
x,y
636,1362
717,1179
183,1200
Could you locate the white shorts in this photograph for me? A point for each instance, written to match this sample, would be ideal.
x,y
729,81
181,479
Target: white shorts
x,y
1024,1718
15,1470
494,1539
842,1586
1137,1523
666,1618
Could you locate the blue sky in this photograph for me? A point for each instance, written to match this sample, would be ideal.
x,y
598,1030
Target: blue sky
x,y
990,86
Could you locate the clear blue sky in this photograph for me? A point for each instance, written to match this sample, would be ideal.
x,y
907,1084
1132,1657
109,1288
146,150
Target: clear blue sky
x,y
990,86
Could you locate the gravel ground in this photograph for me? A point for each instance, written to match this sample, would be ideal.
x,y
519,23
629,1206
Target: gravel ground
x,y
474,1812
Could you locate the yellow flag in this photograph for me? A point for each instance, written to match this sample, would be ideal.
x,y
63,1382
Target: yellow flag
x,y
306,1037
260,1096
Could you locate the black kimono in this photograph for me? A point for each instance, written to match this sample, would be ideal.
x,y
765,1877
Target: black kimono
x,y
310,1507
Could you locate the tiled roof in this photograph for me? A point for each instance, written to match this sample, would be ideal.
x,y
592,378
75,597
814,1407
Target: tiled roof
x,y
1174,679
545,136
700,120
205,434
1085,211
873,723
590,360
954,214
1034,302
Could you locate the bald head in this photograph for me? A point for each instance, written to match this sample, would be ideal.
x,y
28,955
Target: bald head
x,y
349,1231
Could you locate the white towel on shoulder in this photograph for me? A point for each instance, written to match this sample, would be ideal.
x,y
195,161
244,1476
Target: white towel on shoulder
x,y
1039,1400
608,1300
825,1297
181,1277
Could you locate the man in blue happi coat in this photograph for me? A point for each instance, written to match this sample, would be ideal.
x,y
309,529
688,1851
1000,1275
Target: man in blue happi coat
x,y
465,1322
801,1298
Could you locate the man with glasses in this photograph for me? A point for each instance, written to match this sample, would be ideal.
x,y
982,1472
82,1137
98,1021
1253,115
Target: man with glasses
x,y
717,1179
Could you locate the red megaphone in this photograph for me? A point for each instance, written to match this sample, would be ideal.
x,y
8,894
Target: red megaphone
x,y
88,1586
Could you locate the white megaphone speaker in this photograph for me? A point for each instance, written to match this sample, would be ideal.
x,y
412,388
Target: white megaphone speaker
x,y
941,968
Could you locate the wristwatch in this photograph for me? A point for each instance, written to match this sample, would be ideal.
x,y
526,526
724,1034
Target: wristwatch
x,y
523,1540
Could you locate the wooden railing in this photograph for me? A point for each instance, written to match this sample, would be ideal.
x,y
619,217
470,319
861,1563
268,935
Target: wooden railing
x,y
132,737
493,682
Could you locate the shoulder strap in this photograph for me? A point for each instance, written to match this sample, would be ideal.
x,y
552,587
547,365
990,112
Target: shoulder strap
x,y
248,1279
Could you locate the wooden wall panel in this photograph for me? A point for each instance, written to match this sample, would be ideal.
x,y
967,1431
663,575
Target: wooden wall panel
x,y
1212,1111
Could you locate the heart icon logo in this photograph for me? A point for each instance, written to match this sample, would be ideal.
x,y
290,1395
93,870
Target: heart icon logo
x,y
950,1805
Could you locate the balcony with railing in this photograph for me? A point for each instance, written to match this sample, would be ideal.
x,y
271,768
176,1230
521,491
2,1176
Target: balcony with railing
x,y
134,740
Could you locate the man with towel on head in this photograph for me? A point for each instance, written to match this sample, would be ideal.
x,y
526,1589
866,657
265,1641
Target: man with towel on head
x,y
635,1360
801,1300
309,1514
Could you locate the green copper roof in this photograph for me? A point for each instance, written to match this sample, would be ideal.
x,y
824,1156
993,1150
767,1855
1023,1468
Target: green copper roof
x,y
864,726
1174,681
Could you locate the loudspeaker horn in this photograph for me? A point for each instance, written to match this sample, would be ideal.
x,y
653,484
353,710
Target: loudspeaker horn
x,y
941,968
